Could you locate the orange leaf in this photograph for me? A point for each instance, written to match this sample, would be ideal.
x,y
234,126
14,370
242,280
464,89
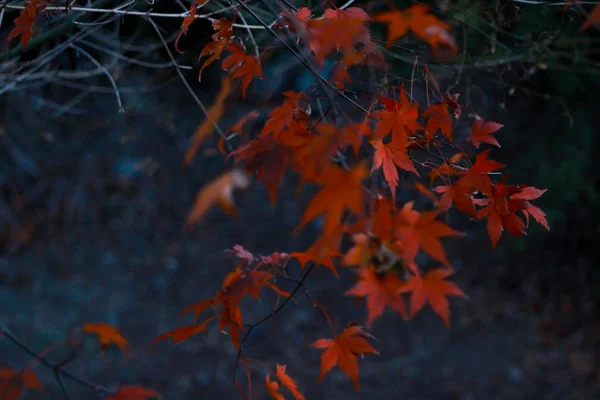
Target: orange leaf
x,y
434,289
220,41
133,392
187,21
24,22
273,388
380,291
482,132
184,333
242,66
219,191
342,191
417,19
417,230
288,382
592,19
439,118
215,112
343,351
388,157
107,335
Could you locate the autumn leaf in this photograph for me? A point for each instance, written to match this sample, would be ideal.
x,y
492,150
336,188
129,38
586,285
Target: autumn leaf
x,y
220,42
242,66
219,191
214,114
13,383
24,22
421,23
286,381
388,157
284,116
338,30
133,392
415,230
432,288
342,191
343,351
184,333
107,334
439,118
592,19
273,388
266,158
321,253
482,132
380,291
187,21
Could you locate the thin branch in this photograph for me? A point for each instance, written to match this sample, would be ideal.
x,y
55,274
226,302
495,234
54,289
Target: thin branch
x,y
56,368
185,82
108,75
271,315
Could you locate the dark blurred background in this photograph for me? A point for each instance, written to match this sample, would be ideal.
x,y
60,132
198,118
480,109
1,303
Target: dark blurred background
x,y
93,204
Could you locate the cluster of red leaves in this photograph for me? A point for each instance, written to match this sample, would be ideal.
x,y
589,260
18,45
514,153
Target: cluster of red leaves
x,y
251,275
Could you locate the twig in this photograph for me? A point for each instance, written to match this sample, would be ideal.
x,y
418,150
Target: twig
x,y
56,368
271,315
187,85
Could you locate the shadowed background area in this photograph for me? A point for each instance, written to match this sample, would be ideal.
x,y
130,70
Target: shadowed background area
x,y
92,228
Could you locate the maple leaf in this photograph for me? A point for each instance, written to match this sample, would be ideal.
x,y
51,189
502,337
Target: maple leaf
x,y
320,253
107,334
24,22
446,168
240,252
13,383
184,333
242,66
237,285
421,23
343,351
219,191
352,135
432,288
592,19
439,118
214,114
482,132
220,42
338,30
501,208
288,382
415,230
342,191
388,156
282,117
187,21
266,158
477,177
133,392
380,291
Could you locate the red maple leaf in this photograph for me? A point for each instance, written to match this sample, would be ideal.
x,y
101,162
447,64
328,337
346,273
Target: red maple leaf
x,y
242,66
24,22
432,288
343,351
481,131
380,291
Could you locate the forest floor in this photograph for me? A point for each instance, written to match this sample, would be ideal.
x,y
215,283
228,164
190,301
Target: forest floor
x,y
102,239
